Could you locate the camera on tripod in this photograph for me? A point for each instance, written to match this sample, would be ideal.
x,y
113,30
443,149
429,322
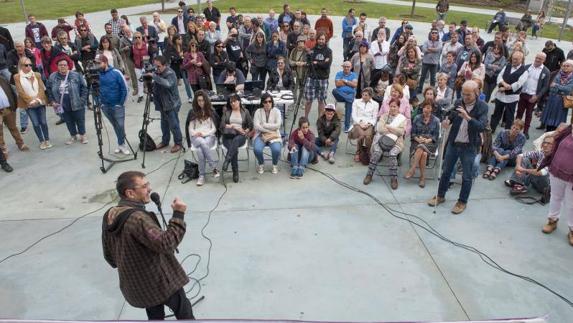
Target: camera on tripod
x,y
92,70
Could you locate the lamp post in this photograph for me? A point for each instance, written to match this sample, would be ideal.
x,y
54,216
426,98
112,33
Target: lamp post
x,y
24,10
567,14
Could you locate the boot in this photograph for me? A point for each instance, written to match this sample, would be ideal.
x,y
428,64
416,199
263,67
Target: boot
x,y
226,163
550,226
235,175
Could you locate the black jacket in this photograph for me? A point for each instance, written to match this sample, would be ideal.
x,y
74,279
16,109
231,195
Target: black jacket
x,y
327,130
287,78
323,56
225,120
13,58
165,91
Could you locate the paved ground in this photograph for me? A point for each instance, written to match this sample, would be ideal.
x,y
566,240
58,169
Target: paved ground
x,y
282,249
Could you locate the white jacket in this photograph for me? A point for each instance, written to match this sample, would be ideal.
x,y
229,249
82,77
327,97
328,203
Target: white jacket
x,y
364,111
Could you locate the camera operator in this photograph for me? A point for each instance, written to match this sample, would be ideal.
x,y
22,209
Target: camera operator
x,y
133,242
112,95
319,61
468,119
167,101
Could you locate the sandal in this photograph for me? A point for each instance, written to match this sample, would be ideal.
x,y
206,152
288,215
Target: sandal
x,y
487,172
493,174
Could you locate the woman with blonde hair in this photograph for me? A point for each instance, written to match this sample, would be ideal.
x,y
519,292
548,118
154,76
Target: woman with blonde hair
x,y
32,98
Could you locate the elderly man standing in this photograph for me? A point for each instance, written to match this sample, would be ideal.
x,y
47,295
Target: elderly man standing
x,y
149,32
535,87
464,140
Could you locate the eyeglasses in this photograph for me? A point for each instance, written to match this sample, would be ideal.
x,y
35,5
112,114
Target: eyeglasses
x,y
83,30
137,37
180,11
146,185
28,65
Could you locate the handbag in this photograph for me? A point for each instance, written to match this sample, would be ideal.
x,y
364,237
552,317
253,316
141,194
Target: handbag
x,y
269,136
204,82
460,79
387,141
190,171
568,101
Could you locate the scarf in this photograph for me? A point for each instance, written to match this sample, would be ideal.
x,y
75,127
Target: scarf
x,y
564,77
29,84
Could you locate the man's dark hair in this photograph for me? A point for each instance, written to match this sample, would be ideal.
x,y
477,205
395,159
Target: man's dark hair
x,y
126,181
107,24
161,59
181,4
363,14
113,10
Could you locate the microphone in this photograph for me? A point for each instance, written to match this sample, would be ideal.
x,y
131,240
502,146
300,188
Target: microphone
x,y
157,200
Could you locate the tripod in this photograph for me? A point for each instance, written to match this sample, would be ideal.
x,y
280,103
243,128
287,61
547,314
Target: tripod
x,y
98,126
296,107
146,121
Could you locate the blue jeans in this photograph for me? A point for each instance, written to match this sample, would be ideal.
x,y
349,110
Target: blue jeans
x,y
170,124
75,121
23,118
38,117
300,156
501,164
186,83
319,144
116,115
431,68
348,99
259,145
467,154
475,172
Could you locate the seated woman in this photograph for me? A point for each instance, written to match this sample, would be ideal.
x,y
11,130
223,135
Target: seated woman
x,y
302,149
390,131
444,95
200,131
236,123
507,145
429,96
281,78
397,93
267,122
425,133
328,128
364,112
526,171
401,80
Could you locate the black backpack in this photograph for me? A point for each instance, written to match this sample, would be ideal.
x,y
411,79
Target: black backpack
x,y
146,143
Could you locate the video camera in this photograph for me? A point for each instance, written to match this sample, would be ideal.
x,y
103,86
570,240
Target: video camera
x,y
92,70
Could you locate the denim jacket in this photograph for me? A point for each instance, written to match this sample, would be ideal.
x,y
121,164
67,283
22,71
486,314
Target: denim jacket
x,y
77,89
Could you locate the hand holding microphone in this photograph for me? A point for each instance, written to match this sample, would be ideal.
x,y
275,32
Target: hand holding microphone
x,y
178,205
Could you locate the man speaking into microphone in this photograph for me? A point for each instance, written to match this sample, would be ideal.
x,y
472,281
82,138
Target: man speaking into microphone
x,y
150,276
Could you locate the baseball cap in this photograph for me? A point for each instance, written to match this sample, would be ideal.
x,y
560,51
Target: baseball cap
x,y
330,107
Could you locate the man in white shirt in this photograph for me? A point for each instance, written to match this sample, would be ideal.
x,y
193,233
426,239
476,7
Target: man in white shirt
x,y
510,81
535,87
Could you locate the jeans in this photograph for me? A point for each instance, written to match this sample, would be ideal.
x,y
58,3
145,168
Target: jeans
x,y
170,125
431,68
38,117
5,74
475,171
493,162
348,100
259,73
259,145
232,145
561,200
23,118
539,183
300,156
75,121
204,145
466,153
489,85
186,83
116,115
178,303
319,144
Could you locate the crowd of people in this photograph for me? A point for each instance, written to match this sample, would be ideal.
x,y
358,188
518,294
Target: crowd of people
x,y
395,90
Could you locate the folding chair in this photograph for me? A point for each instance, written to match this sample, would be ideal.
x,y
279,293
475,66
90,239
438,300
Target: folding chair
x,y
244,147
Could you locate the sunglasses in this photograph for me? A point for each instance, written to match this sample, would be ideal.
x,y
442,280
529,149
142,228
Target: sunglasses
x,y
83,30
28,65
219,46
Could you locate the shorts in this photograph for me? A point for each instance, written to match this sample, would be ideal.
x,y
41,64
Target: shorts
x,y
316,89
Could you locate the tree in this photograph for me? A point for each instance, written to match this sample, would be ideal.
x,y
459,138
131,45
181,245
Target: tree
x,y
413,8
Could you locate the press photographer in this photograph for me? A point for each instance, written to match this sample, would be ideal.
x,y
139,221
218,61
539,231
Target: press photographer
x,y
167,101
150,276
112,96
468,119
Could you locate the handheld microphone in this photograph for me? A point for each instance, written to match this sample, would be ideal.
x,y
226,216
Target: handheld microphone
x,y
157,200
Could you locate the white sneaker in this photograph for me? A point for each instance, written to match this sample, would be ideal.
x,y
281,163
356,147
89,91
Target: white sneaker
x,y
125,150
42,146
331,158
117,150
190,100
84,139
201,180
47,144
71,140
275,169
260,169
216,173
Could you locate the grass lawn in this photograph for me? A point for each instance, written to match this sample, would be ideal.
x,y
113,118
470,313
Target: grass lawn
x,y
44,9
339,8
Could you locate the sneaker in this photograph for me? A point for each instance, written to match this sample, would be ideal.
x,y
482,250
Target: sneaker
x,y
23,130
117,150
71,140
190,100
201,180
293,172
48,144
459,207
331,158
42,146
6,167
84,139
260,169
275,169
124,150
216,173
550,226
436,200
300,172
